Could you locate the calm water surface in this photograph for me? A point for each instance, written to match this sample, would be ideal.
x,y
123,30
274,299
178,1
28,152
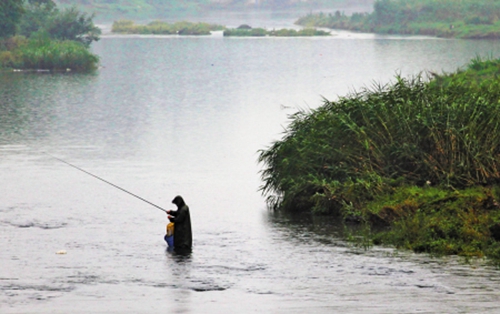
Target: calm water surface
x,y
183,115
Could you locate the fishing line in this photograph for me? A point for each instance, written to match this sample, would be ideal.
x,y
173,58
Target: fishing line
x,y
105,181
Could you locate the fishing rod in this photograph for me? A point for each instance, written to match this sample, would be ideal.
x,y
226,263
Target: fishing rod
x,y
113,185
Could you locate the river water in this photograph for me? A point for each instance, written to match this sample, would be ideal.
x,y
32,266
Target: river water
x,y
186,115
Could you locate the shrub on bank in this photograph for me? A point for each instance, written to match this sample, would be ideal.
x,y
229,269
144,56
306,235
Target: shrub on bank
x,y
441,221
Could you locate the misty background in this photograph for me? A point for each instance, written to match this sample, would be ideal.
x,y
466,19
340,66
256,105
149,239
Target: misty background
x,y
106,10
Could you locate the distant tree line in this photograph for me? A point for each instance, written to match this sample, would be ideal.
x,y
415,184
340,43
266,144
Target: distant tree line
x,y
118,9
442,18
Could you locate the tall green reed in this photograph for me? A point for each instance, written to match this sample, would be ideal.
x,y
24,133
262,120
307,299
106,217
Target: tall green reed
x,y
407,132
46,54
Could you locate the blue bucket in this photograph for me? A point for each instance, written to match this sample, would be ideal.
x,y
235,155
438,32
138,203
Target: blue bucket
x,y
169,240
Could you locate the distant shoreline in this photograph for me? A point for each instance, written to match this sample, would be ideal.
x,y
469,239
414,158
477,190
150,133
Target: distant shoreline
x,y
156,28
469,19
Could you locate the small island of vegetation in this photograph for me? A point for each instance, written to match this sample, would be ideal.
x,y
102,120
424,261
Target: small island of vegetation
x,y
189,28
473,19
164,28
417,162
261,32
36,35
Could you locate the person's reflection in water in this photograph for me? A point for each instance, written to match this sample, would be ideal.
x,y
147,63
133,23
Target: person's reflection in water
x,y
180,266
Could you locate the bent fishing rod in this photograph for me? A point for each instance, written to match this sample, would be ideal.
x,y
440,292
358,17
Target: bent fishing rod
x,y
105,181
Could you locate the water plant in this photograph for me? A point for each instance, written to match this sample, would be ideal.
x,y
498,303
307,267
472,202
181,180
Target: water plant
x,y
298,33
45,54
252,32
367,147
189,28
164,28
260,32
47,38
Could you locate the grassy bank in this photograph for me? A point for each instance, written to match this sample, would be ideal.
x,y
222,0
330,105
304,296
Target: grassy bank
x,y
472,19
45,54
440,221
419,156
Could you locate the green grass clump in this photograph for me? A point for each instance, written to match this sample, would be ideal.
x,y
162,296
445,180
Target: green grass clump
x,y
445,134
45,54
300,33
188,28
164,28
379,147
439,221
260,32
253,32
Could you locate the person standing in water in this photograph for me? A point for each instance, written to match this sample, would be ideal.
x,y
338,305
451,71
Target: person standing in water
x,y
183,238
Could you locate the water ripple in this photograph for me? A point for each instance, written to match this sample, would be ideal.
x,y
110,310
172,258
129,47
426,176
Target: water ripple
x,y
36,224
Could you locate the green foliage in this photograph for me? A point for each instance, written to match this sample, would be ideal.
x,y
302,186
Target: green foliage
x,y
479,71
68,24
441,221
338,20
113,9
153,9
71,24
294,33
260,32
188,28
443,18
122,26
7,46
58,40
36,15
253,32
411,129
164,28
388,155
41,53
10,15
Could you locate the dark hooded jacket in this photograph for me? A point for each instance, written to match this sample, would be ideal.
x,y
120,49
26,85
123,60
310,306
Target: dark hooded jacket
x,y
183,237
